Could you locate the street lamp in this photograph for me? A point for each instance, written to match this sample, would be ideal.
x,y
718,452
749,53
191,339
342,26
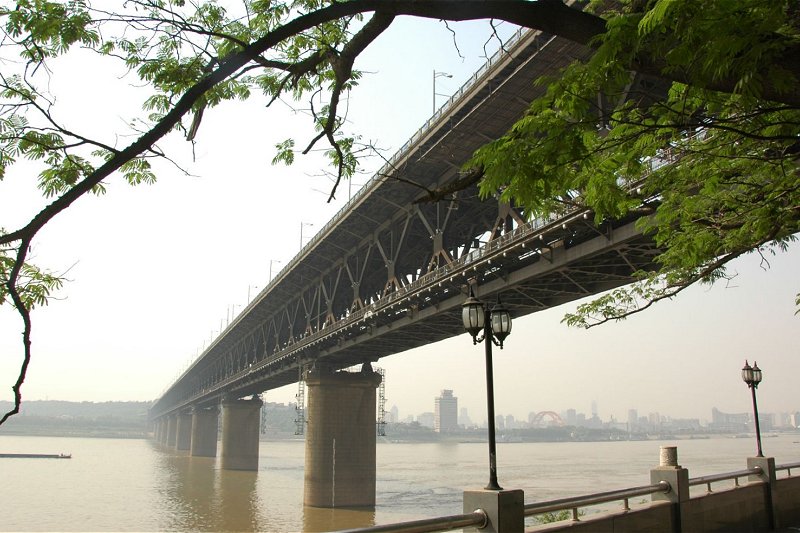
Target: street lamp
x,y
752,376
276,261
438,75
495,325
302,225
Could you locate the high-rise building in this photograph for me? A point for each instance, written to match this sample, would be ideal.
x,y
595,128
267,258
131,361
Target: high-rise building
x,y
463,418
633,419
446,412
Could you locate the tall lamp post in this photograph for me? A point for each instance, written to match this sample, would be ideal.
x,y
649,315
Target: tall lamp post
x,y
752,376
495,324
302,225
437,74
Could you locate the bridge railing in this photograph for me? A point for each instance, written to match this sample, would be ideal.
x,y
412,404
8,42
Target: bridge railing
x,y
400,154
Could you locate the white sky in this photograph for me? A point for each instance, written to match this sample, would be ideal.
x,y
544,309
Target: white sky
x,y
156,269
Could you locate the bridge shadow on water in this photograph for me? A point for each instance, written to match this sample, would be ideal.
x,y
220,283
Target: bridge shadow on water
x,y
201,497
195,494
321,519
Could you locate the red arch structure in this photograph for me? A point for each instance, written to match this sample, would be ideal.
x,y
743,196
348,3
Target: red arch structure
x,y
550,414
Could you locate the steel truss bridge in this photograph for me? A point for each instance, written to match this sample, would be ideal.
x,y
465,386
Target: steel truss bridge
x,y
387,274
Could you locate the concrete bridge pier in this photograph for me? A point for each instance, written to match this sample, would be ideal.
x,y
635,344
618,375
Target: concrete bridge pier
x,y
184,432
172,431
163,424
204,432
157,430
340,439
241,420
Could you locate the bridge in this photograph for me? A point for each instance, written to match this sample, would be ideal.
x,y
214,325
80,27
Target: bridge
x,y
388,274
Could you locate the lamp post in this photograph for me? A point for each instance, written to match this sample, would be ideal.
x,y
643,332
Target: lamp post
x,y
438,75
302,225
495,325
276,261
752,376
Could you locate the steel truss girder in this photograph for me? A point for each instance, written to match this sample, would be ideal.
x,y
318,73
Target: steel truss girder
x,y
402,297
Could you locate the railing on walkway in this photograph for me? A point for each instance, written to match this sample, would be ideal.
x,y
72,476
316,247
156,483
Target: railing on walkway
x,y
476,518
788,467
572,504
708,480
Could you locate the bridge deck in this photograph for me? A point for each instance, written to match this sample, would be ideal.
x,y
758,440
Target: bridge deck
x,y
386,275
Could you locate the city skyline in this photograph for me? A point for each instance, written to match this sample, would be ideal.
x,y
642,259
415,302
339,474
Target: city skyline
x,y
398,415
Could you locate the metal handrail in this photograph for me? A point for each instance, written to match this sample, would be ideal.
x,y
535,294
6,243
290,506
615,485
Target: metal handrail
x,y
788,467
708,480
575,502
480,519
477,518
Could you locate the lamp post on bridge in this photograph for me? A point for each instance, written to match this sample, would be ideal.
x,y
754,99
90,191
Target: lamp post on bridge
x,y
496,326
752,376
302,225
437,74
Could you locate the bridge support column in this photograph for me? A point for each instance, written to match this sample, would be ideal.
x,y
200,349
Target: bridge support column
x,y
184,432
161,436
241,420
172,431
204,432
340,440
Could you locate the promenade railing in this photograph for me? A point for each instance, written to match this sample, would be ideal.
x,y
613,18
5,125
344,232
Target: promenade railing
x,y
572,504
477,518
575,503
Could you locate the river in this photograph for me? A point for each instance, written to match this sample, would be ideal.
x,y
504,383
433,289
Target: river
x,y
134,485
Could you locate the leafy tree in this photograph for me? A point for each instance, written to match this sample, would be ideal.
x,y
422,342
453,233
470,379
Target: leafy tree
x,y
723,131
721,166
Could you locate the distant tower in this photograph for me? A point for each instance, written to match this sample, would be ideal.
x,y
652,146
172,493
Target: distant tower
x,y
633,419
594,408
463,418
446,413
394,414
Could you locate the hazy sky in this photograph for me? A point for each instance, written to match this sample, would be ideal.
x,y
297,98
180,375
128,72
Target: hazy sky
x,y
156,270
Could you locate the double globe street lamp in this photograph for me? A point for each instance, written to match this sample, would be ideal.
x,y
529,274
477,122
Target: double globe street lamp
x,y
752,376
495,324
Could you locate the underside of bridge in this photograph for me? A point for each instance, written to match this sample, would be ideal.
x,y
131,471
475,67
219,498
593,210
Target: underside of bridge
x,y
390,272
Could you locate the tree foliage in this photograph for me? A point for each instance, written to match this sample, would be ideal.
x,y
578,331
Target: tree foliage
x,y
686,110
715,171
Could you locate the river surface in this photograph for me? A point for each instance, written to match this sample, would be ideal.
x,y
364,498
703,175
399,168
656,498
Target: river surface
x,y
134,485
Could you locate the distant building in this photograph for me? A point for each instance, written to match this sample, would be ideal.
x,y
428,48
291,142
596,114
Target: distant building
x,y
464,419
633,419
446,412
394,414
733,422
426,419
